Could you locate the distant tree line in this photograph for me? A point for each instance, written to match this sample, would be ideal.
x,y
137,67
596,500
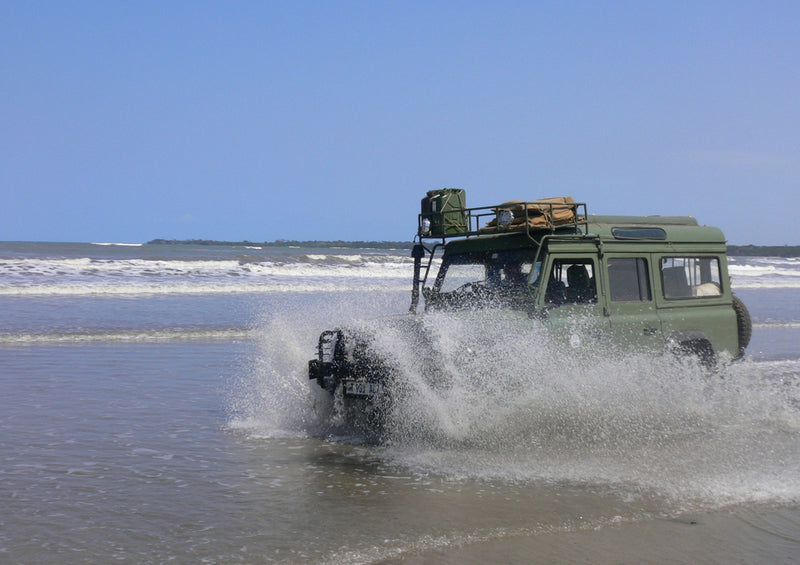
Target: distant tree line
x,y
289,243
764,250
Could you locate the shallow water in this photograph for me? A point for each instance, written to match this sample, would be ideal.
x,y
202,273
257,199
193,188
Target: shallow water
x,y
170,426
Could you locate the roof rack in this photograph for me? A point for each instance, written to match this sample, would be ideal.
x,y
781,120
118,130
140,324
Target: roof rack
x,y
445,216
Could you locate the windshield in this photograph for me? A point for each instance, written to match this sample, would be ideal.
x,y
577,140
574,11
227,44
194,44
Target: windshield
x,y
473,279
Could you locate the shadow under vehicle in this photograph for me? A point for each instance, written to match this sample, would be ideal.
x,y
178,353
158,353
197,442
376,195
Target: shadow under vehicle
x,y
618,283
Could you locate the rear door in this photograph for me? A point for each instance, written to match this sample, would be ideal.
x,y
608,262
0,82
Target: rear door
x,y
630,306
694,300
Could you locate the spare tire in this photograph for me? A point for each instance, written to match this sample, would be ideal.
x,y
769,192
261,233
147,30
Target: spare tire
x,y
743,323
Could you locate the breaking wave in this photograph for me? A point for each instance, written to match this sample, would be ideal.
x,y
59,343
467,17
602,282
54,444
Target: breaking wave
x,y
313,273
121,269
764,272
144,336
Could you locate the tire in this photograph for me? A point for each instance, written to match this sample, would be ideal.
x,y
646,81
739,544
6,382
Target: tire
x,y
744,324
700,350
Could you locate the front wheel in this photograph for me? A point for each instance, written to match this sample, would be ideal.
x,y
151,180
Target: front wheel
x,y
695,348
700,350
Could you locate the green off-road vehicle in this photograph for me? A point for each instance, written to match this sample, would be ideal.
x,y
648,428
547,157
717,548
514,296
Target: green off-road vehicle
x,y
627,283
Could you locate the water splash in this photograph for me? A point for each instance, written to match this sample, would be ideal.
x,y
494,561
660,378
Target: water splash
x,y
478,398
273,396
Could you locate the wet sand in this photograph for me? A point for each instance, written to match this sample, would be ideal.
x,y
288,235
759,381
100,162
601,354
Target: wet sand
x,y
743,535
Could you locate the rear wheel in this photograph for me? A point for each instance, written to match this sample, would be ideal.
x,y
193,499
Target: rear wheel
x,y
744,324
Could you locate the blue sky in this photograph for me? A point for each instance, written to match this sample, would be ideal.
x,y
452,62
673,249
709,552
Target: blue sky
x,y
127,121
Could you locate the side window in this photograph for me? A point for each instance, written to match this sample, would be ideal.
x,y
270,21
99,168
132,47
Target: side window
x,y
690,277
571,281
628,279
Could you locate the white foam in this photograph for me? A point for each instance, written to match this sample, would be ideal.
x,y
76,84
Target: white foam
x,y
289,287
281,273
765,272
83,276
119,244
125,336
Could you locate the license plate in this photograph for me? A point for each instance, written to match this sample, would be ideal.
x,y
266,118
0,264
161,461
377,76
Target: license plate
x,y
362,388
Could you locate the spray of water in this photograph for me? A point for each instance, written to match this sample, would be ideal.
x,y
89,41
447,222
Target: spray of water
x,y
482,397
273,396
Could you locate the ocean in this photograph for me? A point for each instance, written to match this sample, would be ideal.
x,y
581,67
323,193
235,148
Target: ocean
x,y
155,407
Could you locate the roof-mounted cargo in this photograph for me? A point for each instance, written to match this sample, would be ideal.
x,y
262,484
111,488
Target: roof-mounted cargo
x,y
445,215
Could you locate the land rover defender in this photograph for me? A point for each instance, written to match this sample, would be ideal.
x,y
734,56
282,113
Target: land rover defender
x,y
643,283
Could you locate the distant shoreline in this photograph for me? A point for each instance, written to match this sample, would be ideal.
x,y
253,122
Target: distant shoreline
x,y
289,243
733,250
764,250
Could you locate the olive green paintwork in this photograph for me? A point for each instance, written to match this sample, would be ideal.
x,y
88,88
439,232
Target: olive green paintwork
x,y
699,323
605,284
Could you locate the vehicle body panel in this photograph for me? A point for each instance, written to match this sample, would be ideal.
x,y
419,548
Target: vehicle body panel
x,y
650,284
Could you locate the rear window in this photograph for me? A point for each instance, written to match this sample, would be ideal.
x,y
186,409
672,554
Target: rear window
x,y
690,277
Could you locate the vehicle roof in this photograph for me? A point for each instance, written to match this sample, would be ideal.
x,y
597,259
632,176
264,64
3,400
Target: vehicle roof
x,y
674,230
677,229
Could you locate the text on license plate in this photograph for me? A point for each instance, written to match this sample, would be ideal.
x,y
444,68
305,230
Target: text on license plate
x,y
362,388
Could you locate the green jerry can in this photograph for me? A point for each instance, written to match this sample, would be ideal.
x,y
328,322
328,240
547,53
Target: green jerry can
x,y
445,209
